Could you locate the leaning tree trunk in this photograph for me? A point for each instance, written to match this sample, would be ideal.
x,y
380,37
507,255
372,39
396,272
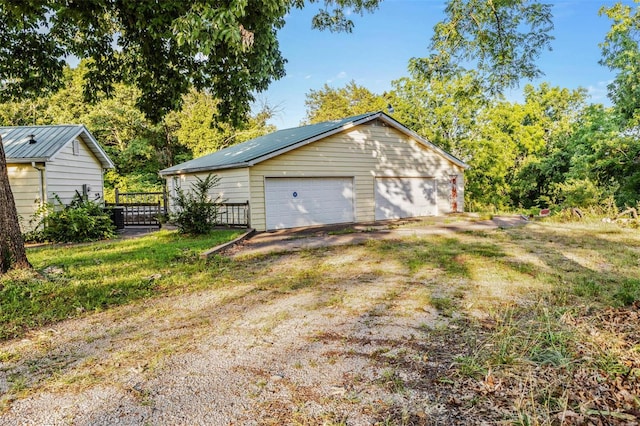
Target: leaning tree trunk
x,y
12,252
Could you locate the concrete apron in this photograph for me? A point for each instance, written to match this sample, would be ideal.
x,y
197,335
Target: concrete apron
x,y
316,237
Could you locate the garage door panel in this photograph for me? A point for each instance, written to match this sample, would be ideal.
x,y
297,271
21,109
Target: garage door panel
x,y
401,197
293,202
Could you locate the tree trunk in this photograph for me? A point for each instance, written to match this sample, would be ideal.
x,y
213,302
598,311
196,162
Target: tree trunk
x,y
12,252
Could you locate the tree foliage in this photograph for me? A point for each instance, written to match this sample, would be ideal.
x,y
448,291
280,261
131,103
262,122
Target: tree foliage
x,y
195,126
138,146
602,152
444,109
162,48
501,38
621,53
331,103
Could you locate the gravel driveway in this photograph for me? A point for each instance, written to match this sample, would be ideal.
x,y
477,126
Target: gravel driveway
x,y
335,336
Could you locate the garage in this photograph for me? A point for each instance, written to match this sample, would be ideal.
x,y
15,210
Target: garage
x,y
357,169
400,197
293,202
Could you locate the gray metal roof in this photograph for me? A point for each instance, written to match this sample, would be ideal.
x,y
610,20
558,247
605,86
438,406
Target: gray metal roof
x,y
49,140
264,147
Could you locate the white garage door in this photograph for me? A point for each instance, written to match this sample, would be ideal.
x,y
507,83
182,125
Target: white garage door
x,y
293,202
398,197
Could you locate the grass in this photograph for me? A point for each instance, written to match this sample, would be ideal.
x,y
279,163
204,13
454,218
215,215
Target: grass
x,y
544,294
68,281
521,326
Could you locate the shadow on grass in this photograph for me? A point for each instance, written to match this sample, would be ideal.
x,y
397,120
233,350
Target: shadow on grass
x,y
432,364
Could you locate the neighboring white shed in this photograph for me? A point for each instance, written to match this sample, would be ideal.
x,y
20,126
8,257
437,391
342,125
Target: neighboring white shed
x,y
359,169
48,161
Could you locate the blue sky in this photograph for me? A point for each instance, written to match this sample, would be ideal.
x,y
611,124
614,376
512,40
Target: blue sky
x,y
381,44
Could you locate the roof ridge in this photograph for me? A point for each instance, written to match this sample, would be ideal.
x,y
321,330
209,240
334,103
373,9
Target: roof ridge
x,y
338,120
45,125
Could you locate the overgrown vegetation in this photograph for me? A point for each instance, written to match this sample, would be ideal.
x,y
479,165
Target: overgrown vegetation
x,y
80,221
73,281
195,212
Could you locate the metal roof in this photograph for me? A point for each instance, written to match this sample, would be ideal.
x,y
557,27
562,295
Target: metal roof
x,y
49,140
251,152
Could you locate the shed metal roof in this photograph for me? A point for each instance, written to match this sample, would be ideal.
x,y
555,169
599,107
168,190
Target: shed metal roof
x,y
49,140
251,152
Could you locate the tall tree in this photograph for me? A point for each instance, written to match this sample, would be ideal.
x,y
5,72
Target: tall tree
x,y
196,128
331,103
543,123
442,108
603,154
503,38
162,48
492,154
510,148
621,53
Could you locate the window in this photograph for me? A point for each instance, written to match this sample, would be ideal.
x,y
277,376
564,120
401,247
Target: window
x,y
76,147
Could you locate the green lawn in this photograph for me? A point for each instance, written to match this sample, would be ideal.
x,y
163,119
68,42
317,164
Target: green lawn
x,y
69,281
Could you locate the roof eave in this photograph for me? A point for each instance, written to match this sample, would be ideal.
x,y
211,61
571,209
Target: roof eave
x,y
378,115
93,146
26,160
370,117
97,150
165,173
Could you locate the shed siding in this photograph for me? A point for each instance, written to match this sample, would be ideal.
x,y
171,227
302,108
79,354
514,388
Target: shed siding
x,y
233,186
25,186
66,173
363,152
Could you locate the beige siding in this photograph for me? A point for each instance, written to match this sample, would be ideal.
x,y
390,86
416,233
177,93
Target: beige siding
x,y
363,153
25,184
232,188
66,173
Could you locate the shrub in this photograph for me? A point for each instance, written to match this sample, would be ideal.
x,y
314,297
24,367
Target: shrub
x,y
80,221
579,193
195,212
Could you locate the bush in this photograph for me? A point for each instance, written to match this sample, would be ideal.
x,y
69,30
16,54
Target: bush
x,y
579,193
195,212
80,221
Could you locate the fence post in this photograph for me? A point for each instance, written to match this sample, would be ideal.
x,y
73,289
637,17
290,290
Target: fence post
x,y
117,196
248,216
165,199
